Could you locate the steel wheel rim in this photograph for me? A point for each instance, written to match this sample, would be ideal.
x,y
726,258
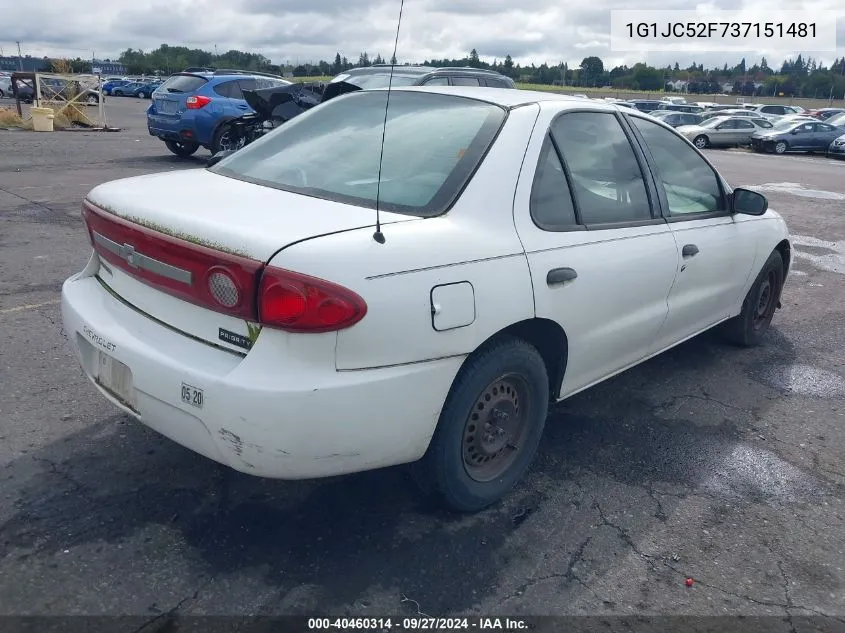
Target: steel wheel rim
x,y
226,142
765,301
495,428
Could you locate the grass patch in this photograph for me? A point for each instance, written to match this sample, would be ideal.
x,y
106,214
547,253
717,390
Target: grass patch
x,y
64,117
10,118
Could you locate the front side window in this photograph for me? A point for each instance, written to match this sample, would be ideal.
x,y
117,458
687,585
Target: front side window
x,y
437,81
432,145
691,185
606,178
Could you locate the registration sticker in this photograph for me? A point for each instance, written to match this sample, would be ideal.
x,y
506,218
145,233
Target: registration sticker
x,y
192,395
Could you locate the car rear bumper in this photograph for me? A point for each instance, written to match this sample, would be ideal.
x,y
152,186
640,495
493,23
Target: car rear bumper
x,y
174,128
265,413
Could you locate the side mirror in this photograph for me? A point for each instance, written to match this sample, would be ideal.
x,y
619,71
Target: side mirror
x,y
748,202
216,158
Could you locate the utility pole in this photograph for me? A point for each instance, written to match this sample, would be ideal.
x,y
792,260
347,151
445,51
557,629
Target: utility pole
x,y
20,57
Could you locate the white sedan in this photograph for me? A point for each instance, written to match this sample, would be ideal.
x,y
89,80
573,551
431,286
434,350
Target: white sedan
x,y
530,245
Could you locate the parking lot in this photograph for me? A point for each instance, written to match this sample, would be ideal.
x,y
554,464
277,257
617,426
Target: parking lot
x,y
710,462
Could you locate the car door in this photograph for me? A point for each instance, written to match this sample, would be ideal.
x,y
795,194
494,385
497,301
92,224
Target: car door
x,y
743,129
823,136
716,249
601,262
724,133
802,137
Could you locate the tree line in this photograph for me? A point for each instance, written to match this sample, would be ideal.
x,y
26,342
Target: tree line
x,y
797,77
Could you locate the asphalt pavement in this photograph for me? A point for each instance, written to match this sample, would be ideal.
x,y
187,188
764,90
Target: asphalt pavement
x,y
710,462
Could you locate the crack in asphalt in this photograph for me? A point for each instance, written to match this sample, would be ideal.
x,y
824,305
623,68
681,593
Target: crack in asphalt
x,y
172,614
569,575
650,560
54,469
787,596
25,199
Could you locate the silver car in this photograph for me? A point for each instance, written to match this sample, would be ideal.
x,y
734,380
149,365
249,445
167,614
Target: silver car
x,y
724,131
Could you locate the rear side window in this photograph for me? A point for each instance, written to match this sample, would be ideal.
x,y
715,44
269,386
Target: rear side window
x,y
551,199
605,174
245,84
495,82
183,83
465,81
432,145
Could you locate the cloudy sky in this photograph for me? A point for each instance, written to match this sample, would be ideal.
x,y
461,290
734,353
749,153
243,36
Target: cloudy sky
x,y
308,30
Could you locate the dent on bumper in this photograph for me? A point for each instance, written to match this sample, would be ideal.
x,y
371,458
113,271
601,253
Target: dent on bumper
x,y
263,414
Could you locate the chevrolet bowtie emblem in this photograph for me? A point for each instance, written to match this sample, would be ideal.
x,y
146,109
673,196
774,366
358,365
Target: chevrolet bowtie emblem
x,y
127,252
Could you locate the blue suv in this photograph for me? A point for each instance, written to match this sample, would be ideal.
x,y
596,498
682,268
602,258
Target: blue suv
x,y
193,109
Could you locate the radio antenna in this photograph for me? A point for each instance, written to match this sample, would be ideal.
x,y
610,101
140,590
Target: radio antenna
x,y
378,236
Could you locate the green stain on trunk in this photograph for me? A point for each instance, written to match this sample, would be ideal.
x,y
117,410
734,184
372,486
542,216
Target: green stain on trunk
x,y
253,330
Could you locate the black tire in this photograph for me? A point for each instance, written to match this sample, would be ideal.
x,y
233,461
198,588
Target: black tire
x,y
701,141
182,148
749,328
118,93
142,94
780,147
220,141
458,470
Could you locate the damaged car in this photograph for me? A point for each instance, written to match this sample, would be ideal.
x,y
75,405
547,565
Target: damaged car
x,y
274,106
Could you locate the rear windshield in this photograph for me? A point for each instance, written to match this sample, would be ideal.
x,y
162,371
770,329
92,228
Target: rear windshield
x,y
183,83
432,145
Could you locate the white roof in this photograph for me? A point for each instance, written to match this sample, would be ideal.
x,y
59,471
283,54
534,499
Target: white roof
x,y
505,97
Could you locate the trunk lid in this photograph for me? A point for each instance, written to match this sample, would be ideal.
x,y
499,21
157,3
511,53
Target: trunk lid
x,y
196,210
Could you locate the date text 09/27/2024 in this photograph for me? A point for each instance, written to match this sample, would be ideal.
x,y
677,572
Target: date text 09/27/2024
x,y
419,623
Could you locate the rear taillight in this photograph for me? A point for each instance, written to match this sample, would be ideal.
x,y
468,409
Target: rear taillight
x,y
195,103
220,281
299,303
210,278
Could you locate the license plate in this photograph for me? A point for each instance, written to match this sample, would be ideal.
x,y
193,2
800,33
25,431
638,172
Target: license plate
x,y
116,378
165,106
192,395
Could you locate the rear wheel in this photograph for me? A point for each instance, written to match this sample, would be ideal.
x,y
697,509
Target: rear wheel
x,y
182,148
701,142
759,306
225,138
489,427
91,99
